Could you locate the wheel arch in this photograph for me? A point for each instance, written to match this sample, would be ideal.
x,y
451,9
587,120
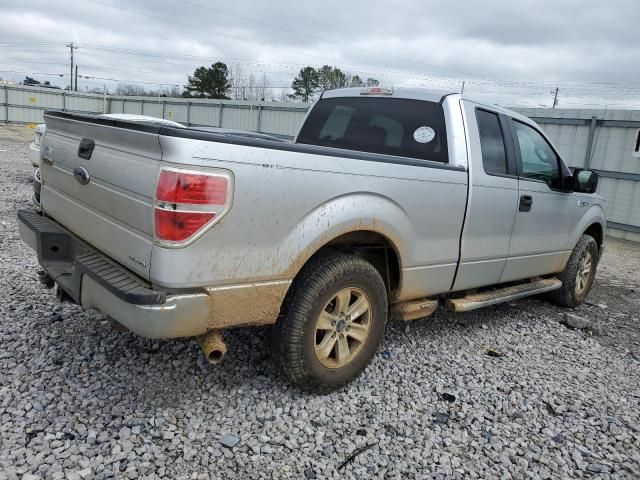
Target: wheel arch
x,y
596,230
372,246
368,225
592,223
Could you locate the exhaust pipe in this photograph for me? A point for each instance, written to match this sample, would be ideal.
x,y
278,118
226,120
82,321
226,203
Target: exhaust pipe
x,y
61,295
45,279
213,346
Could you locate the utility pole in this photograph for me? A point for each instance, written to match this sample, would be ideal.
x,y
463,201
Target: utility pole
x,y
555,97
462,89
76,89
71,48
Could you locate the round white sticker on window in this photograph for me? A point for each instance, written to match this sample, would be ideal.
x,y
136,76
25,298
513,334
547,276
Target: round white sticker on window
x,y
424,134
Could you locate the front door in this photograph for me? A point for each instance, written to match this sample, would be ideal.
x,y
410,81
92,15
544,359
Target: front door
x,y
493,197
546,211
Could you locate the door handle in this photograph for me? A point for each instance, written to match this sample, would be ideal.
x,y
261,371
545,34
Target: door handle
x,y
525,203
85,150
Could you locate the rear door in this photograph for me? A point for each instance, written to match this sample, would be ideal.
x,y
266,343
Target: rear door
x,y
493,197
99,181
546,212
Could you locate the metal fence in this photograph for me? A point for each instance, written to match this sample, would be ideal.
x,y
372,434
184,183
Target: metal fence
x,y
27,104
605,140
275,118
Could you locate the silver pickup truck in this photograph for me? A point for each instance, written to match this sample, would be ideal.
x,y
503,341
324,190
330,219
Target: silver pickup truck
x,y
390,202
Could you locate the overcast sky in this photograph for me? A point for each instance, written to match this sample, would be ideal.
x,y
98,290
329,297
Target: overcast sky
x,y
507,51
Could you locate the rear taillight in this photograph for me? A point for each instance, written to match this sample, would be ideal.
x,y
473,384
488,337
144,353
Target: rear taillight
x,y
175,226
188,202
191,188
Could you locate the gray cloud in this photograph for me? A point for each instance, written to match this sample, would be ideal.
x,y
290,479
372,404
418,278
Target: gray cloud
x,y
504,50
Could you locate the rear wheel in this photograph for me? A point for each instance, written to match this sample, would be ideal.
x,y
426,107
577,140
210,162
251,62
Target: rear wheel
x,y
577,277
333,321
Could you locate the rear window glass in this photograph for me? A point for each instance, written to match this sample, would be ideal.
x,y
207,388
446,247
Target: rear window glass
x,y
390,126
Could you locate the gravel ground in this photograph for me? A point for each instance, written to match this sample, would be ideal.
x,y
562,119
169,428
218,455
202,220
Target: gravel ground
x,y
508,392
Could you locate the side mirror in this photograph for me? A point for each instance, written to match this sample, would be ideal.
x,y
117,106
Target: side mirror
x,y
584,181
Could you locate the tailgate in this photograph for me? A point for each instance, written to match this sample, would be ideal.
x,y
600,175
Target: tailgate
x,y
109,201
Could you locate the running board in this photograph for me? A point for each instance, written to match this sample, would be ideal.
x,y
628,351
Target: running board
x,y
500,295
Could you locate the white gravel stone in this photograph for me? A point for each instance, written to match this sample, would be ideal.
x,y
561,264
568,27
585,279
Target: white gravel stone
x,y
576,321
81,401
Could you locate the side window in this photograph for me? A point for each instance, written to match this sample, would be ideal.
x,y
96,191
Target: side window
x,y
494,158
539,161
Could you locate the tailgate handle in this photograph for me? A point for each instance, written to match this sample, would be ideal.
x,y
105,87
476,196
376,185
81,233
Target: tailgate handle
x,y
85,150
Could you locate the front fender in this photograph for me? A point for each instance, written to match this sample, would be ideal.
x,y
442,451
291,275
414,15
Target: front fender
x,y
595,214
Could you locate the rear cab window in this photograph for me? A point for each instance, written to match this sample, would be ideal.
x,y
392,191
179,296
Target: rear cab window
x,y
388,126
494,155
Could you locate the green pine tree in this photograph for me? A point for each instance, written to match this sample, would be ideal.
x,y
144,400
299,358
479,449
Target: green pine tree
x,y
305,84
212,82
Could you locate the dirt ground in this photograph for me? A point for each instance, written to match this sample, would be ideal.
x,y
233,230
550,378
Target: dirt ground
x,y
614,302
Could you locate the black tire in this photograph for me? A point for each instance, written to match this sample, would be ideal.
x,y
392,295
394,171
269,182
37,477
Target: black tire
x,y
570,295
295,336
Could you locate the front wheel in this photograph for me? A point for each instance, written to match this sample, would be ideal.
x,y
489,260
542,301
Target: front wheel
x,y
332,322
577,277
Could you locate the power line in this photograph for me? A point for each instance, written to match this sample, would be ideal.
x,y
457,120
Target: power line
x,y
71,49
598,88
403,73
207,30
322,39
92,77
31,43
593,87
555,98
477,87
35,73
88,76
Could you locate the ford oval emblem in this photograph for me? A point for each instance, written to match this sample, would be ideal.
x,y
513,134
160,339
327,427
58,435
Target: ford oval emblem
x,y
81,175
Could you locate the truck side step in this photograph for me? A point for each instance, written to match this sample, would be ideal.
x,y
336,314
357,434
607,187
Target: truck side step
x,y
500,295
414,309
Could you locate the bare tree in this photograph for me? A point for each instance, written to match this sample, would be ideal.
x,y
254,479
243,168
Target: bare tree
x,y
129,89
171,92
262,88
250,94
248,87
285,95
238,83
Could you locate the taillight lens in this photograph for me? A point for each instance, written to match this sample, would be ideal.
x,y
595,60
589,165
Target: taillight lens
x,y
188,201
175,226
192,188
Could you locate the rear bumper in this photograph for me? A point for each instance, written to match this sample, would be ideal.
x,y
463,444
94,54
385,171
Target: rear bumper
x,y
34,154
95,281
